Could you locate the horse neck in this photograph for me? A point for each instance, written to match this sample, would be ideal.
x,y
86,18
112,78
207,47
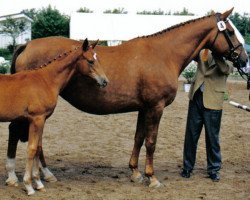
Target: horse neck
x,y
182,44
59,71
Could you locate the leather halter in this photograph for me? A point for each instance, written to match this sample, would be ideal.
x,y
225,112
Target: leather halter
x,y
232,55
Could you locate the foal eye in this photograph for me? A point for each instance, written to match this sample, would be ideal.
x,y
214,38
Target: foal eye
x,y
91,62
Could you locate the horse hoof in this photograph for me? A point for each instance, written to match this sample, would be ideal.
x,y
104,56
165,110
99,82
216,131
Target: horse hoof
x,y
137,178
50,179
154,183
12,182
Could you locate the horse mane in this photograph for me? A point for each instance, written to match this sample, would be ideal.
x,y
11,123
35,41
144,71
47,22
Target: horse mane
x,y
174,27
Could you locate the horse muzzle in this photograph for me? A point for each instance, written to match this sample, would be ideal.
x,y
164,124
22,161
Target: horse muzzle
x,y
102,82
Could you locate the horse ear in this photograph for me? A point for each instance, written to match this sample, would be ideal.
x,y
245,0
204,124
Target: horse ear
x,y
94,44
226,14
85,45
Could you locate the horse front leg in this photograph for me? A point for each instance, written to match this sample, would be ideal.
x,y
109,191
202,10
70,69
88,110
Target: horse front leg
x,y
36,172
138,142
17,129
152,120
35,134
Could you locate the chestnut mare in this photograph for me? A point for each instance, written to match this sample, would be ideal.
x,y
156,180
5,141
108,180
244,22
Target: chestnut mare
x,y
32,95
143,74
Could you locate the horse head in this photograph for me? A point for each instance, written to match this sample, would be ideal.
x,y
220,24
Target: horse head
x,y
89,64
225,42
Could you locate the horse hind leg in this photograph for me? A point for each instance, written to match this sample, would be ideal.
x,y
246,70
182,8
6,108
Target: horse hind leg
x,y
48,175
138,142
16,129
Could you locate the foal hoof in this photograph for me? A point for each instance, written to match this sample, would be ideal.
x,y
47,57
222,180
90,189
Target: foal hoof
x,y
30,192
12,182
41,189
50,179
29,189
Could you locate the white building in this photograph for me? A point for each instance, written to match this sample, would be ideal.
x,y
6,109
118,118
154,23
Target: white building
x,y
116,28
6,40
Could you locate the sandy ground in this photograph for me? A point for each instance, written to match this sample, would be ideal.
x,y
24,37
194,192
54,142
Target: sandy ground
x,y
89,155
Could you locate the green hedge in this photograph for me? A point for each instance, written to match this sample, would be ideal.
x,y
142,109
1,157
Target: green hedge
x,y
6,54
3,70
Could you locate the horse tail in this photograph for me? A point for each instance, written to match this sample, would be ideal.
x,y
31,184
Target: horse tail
x,y
17,52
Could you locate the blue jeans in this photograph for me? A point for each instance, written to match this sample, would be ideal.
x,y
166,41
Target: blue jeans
x,y
198,116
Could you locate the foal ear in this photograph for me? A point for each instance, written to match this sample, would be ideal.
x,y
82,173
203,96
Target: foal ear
x,y
225,15
94,44
85,45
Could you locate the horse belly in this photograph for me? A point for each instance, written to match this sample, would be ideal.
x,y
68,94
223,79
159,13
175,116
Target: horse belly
x,y
86,96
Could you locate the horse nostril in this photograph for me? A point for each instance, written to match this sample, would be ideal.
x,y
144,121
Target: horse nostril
x,y
104,83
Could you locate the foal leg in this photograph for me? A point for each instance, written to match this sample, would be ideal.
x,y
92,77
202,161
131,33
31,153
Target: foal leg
x,y
152,120
16,129
48,176
19,130
138,142
35,134
36,172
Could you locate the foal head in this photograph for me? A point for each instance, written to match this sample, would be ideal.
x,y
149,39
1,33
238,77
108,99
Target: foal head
x,y
89,64
224,41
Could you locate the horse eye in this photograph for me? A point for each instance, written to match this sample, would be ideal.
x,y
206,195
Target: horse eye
x,y
231,33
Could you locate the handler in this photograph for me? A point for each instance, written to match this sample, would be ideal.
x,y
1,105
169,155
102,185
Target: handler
x,y
205,108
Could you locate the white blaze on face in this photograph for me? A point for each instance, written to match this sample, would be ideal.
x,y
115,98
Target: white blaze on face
x,y
95,56
237,33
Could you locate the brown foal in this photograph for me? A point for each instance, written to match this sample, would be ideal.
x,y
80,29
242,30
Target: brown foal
x,y
33,94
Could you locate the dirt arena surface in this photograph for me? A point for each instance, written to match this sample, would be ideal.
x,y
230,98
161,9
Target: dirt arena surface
x,y
89,155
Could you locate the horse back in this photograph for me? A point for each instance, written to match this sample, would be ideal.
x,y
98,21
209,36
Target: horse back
x,y
36,52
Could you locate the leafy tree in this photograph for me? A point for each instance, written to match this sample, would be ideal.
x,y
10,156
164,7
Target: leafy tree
x,y
116,11
84,10
31,13
49,22
242,22
13,28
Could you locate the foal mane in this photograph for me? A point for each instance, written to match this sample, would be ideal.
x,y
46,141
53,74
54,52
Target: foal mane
x,y
174,27
57,58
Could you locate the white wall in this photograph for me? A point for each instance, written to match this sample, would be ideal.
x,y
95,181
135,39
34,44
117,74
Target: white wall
x,y
117,27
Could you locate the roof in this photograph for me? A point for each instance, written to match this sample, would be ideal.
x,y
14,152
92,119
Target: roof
x,y
16,16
